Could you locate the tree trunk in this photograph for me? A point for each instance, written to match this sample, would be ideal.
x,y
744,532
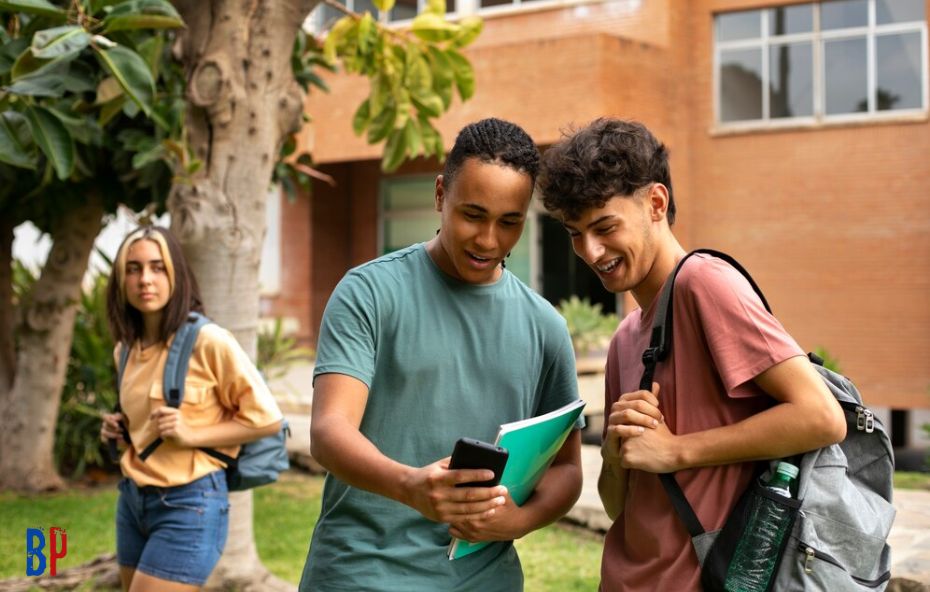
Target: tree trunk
x,y
7,342
243,103
29,406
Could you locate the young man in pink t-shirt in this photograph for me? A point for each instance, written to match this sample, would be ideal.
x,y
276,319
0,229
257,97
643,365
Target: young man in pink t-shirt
x,y
736,387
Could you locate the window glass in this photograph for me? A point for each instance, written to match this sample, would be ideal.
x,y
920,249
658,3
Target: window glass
x,y
740,84
403,9
409,194
899,11
845,76
791,87
788,20
403,232
897,61
489,3
738,25
363,6
840,14
325,15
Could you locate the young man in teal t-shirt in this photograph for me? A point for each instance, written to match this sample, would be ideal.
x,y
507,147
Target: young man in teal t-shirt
x,y
417,349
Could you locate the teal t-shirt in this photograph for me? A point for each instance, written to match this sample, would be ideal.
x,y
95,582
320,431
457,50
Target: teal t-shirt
x,y
443,360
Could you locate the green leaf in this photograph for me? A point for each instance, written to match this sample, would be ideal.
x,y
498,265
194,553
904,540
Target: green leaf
x,y
428,103
417,74
142,14
132,74
366,26
412,138
361,119
110,109
464,74
432,27
469,29
382,124
394,151
37,7
58,41
10,52
14,139
53,139
383,5
52,86
436,7
337,35
151,51
107,90
84,130
28,65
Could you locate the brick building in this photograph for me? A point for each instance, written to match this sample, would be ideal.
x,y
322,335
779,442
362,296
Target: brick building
x,y
820,185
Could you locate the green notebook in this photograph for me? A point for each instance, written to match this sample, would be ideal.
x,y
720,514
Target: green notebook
x,y
532,444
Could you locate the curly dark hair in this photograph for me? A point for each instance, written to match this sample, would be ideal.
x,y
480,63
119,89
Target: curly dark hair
x,y
493,141
607,158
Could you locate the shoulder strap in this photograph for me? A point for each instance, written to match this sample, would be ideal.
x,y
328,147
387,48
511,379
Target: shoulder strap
x,y
179,355
120,369
660,344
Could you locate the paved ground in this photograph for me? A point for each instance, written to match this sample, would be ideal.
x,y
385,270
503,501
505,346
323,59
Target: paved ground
x,y
910,535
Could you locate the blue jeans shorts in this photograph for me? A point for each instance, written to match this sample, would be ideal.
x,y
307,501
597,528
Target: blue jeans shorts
x,y
173,533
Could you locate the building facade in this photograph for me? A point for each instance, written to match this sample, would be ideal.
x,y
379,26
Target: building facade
x,y
799,139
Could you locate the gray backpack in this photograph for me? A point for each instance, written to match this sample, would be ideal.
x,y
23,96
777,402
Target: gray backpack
x,y
259,462
840,521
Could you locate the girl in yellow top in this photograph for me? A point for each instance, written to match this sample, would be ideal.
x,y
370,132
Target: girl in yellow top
x,y
172,514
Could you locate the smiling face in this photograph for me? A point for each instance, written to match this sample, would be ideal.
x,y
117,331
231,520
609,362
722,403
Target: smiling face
x,y
483,214
619,240
147,285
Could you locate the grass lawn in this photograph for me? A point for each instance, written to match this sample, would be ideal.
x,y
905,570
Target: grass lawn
x,y
554,558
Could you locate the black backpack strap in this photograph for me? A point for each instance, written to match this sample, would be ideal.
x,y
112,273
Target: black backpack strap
x,y
179,355
123,360
660,344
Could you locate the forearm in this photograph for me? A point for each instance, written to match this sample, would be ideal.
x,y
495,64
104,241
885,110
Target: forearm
x,y
611,487
553,497
229,433
351,457
784,430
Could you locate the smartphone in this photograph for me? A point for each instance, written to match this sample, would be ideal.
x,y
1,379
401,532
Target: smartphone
x,y
475,454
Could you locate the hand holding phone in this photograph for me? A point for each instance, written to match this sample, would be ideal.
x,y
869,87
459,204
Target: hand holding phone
x,y
475,454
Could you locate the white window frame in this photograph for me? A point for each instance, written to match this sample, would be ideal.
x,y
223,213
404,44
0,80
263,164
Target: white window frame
x,y
818,39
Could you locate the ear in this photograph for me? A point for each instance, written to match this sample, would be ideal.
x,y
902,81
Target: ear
x,y
658,202
440,193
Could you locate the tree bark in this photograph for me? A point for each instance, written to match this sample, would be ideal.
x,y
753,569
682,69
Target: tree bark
x,y
29,406
243,102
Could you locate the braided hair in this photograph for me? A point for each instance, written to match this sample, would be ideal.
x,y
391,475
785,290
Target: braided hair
x,y
493,141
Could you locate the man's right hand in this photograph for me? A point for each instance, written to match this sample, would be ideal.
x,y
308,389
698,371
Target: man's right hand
x,y
630,416
110,428
432,491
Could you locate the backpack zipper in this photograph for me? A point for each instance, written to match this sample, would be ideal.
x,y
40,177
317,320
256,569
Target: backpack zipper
x,y
810,554
865,420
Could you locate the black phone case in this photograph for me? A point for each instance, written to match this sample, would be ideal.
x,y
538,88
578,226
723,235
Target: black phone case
x,y
475,454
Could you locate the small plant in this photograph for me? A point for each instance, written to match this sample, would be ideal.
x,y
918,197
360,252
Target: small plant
x,y
90,386
589,327
277,352
829,362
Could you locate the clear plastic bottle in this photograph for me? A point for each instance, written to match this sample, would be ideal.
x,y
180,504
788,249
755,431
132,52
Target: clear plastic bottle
x,y
756,553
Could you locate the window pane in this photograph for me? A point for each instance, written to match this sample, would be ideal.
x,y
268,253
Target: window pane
x,y
845,76
897,63
739,25
840,14
791,19
403,232
741,85
487,3
363,6
403,9
324,16
791,87
899,11
409,194
519,261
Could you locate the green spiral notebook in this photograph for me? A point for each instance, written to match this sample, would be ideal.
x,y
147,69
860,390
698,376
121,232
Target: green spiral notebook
x,y
532,444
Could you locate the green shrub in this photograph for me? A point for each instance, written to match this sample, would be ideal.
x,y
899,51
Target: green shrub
x,y
589,327
90,386
277,352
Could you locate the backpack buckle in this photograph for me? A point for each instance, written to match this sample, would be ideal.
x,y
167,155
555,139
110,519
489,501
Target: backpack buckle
x,y
650,356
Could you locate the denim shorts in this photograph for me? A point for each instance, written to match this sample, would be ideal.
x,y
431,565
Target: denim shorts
x,y
173,533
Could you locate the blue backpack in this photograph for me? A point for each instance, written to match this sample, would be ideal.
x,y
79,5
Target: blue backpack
x,y
259,462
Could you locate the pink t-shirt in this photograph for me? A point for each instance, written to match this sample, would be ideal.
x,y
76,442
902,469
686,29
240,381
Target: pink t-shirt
x,y
722,339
